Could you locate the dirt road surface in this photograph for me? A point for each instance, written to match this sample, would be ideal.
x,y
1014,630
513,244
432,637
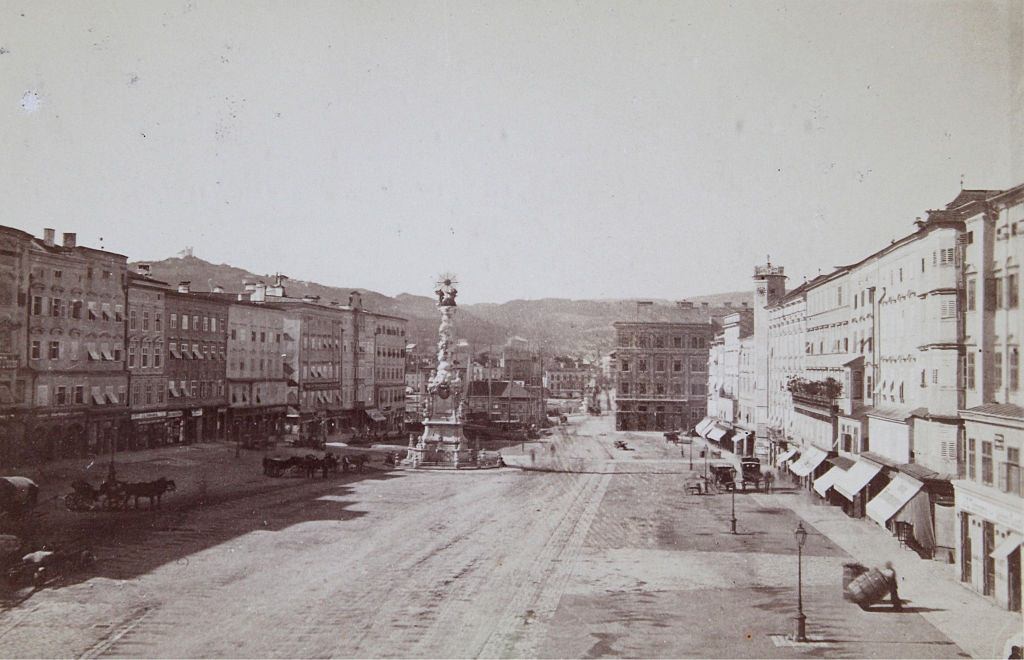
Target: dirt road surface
x,y
612,560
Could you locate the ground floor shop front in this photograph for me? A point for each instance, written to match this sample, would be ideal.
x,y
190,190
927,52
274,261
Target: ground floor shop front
x,y
655,415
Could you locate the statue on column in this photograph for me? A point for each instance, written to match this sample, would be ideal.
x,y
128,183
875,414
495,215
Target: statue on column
x,y
446,292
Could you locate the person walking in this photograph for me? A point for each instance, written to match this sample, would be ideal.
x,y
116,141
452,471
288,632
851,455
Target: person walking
x,y
890,575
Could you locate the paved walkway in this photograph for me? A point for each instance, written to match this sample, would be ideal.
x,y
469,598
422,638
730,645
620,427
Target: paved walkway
x,y
976,624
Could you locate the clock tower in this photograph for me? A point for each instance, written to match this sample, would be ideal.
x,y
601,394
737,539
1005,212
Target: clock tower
x,y
769,287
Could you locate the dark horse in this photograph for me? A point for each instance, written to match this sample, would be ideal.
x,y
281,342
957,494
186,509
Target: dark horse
x,y
154,490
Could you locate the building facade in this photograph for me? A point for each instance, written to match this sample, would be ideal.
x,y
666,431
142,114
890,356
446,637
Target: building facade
x,y
989,494
389,370
256,379
196,364
661,380
146,357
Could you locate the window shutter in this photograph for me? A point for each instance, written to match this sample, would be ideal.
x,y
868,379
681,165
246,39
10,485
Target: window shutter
x,y
1003,481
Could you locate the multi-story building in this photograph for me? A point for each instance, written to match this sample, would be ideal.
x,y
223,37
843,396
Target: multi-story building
x,y
787,350
724,384
76,377
661,380
145,358
520,363
989,494
256,379
567,377
769,286
389,370
15,378
501,402
196,365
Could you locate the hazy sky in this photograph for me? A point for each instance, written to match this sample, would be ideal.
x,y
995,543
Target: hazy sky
x,y
548,149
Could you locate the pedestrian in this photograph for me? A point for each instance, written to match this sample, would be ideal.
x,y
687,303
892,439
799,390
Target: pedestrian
x,y
768,477
890,575
533,456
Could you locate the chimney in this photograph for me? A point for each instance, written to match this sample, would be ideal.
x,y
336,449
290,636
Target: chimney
x,y
184,287
48,236
143,269
218,288
70,239
259,293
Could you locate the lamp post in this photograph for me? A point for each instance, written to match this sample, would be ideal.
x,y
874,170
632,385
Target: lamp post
x,y
691,451
733,506
800,621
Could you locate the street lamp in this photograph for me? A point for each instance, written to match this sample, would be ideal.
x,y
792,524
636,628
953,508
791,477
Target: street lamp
x,y
734,506
800,634
691,451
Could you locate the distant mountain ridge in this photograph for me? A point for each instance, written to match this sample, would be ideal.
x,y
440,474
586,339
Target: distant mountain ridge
x,y
555,325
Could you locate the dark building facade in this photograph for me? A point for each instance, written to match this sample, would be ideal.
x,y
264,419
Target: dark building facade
x,y
196,365
145,358
661,369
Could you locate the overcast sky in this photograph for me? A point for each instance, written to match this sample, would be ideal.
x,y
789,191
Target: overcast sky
x,y
550,149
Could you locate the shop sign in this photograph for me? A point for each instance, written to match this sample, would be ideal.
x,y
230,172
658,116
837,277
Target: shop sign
x,y
1005,515
197,412
156,414
8,361
174,413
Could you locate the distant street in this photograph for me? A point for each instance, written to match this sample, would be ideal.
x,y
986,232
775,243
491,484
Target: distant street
x,y
615,560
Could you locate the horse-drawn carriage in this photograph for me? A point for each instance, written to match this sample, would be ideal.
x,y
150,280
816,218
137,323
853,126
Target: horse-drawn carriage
x,y
723,477
115,495
750,469
310,464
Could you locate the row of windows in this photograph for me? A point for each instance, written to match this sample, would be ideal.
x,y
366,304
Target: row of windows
x,y
263,336
76,395
389,373
660,365
696,389
55,350
76,309
391,352
390,330
194,322
659,341
1000,293
1009,470
133,320
319,342
184,389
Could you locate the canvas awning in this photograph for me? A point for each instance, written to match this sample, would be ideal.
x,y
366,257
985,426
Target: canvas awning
x,y
812,457
198,355
112,398
857,477
174,351
94,355
375,415
704,426
172,387
893,498
107,355
717,433
293,412
1006,546
827,480
785,457
98,399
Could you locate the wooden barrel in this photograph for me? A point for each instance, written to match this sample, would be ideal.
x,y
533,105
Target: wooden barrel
x,y
868,588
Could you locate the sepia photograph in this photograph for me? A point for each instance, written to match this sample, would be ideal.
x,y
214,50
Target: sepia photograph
x,y
511,329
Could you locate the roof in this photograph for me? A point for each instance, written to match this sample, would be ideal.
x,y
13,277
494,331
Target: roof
x,y
499,388
1008,410
921,473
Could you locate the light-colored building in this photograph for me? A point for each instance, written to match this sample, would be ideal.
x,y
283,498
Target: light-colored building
x,y
146,356
257,383
989,494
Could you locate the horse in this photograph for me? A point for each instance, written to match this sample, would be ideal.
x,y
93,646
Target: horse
x,y
276,466
354,462
329,464
18,495
154,490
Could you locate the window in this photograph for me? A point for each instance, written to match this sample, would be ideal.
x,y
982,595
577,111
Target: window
x,y
36,350
60,395
145,356
145,320
624,365
1012,291
1014,369
91,306
158,354
947,256
697,389
213,324
641,388
947,308
131,355
194,388
206,324
997,283
54,350
641,366
157,322
195,321
174,321
659,365
986,462
997,369
105,311
935,376
184,321
677,342
252,336
625,388
972,295
972,467
37,305
1009,472
659,389
697,364
42,395
119,313
677,365
76,309
131,319
969,371
55,305
234,334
